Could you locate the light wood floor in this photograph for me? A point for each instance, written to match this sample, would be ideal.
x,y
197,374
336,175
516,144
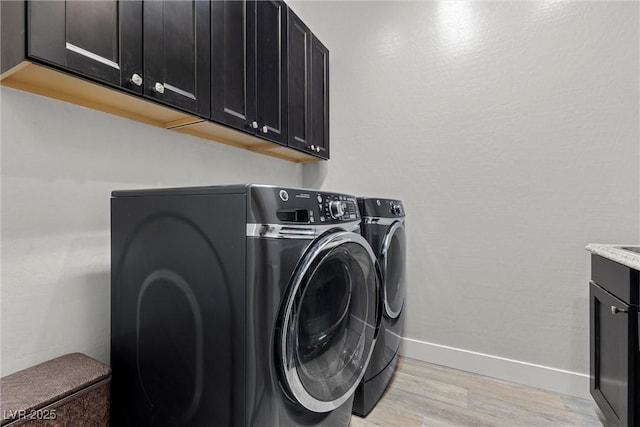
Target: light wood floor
x,y
422,394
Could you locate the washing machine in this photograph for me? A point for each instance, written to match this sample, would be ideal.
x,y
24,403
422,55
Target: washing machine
x,y
241,305
383,226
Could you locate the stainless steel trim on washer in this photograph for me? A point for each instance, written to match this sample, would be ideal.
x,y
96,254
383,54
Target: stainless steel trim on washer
x,y
383,264
380,221
293,380
297,231
279,231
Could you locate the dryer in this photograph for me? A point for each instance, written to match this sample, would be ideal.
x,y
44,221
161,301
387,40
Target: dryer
x,y
239,305
383,225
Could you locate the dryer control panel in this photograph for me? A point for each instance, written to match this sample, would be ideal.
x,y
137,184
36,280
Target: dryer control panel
x,y
381,208
280,205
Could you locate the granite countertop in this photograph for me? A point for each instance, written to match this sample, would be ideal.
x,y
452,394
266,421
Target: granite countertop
x,y
615,253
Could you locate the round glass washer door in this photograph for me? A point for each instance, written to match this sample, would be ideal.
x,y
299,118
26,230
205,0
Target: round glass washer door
x,y
393,257
330,321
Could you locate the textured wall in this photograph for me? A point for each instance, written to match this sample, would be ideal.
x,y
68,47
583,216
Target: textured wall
x,y
510,130
59,165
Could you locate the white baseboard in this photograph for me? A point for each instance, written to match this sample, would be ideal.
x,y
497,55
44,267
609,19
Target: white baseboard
x,y
544,377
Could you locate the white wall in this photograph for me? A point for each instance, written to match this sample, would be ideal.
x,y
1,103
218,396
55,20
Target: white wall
x,y
511,131
59,165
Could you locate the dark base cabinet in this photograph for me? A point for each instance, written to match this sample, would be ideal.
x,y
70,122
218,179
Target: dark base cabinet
x,y
615,341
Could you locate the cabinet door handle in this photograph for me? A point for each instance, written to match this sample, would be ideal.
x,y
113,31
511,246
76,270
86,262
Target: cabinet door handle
x,y
136,80
616,310
265,129
158,88
254,125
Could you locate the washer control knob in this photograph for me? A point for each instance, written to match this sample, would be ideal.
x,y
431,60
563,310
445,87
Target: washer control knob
x,y
337,209
396,209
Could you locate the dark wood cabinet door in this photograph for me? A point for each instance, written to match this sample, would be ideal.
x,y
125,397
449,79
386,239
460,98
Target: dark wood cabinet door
x,y
319,101
299,42
271,67
612,357
233,80
308,68
177,54
98,39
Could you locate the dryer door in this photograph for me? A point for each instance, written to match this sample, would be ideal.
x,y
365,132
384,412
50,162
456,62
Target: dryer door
x,y
393,265
329,321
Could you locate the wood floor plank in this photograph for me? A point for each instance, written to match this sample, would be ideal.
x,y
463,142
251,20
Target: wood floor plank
x,y
388,413
443,414
520,413
431,389
423,394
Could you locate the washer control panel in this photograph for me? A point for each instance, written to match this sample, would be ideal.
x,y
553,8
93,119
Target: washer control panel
x,y
271,205
337,207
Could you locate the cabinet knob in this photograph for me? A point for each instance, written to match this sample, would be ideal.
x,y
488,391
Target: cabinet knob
x,y
317,149
265,129
158,88
254,125
616,310
136,80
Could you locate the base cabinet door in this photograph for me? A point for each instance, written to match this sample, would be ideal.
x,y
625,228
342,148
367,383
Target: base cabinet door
x,y
101,40
612,357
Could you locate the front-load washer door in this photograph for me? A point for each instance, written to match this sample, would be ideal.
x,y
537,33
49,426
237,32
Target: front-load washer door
x,y
393,257
329,321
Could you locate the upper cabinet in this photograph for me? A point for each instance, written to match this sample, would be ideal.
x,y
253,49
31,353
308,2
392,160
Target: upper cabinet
x,y
319,90
176,51
245,73
308,61
249,82
271,70
101,39
104,40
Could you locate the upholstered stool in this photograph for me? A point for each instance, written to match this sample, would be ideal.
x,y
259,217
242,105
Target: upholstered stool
x,y
71,390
